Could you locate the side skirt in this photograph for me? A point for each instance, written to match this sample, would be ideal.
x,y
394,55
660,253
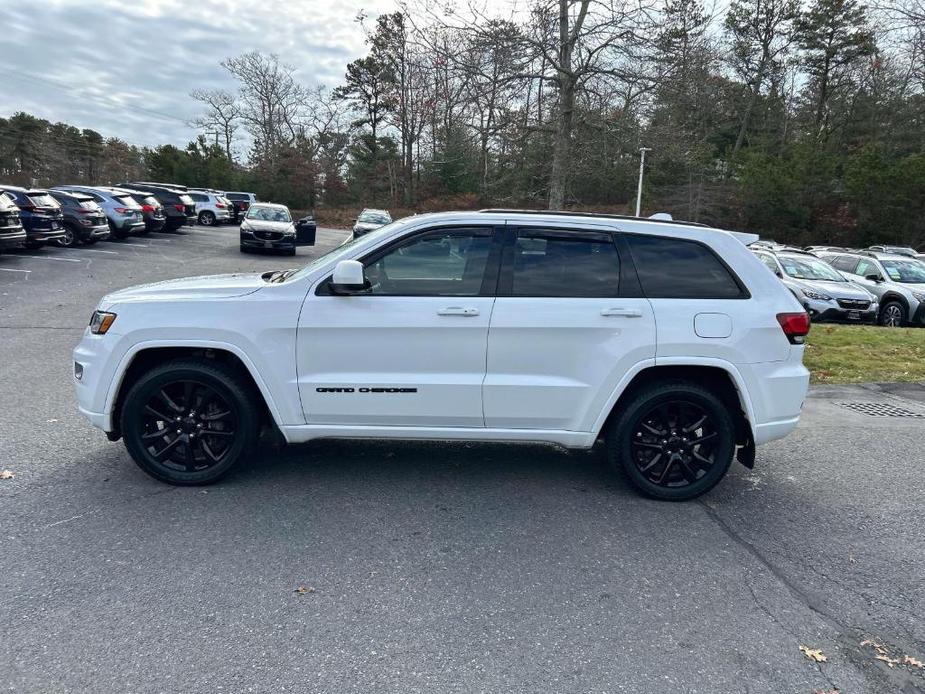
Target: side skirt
x,y
567,439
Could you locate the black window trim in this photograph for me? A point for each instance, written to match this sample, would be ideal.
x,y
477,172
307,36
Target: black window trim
x,y
489,278
744,293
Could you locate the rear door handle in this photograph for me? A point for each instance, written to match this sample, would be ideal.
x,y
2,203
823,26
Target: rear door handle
x,y
457,311
625,312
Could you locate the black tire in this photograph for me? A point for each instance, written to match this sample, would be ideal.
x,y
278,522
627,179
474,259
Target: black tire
x,y
33,245
892,315
69,240
91,240
245,249
115,233
669,460
207,218
290,251
210,442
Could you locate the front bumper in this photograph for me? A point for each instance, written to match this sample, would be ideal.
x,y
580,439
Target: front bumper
x,y
286,243
94,355
830,311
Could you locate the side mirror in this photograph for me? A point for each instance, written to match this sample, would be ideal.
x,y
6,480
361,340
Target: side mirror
x,y
348,278
873,277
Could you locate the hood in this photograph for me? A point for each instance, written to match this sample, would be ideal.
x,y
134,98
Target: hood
x,y
206,287
837,290
264,225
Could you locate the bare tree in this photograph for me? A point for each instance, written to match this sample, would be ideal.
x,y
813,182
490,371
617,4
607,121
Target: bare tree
x,y
222,115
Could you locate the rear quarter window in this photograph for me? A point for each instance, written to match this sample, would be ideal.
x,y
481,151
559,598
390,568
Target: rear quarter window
x,y
672,268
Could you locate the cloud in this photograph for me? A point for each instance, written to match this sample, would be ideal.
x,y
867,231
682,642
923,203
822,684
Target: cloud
x,y
127,71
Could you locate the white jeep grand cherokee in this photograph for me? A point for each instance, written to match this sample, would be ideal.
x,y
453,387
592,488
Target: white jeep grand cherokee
x,y
669,340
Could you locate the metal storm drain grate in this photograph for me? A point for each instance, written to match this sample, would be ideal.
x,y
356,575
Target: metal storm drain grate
x,y
880,409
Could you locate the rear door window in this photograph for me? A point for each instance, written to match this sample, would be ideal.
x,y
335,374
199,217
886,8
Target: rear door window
x,y
681,269
553,263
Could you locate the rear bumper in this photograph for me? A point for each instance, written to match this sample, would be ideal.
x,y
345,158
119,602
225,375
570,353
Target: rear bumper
x,y
44,235
777,391
155,224
97,232
12,238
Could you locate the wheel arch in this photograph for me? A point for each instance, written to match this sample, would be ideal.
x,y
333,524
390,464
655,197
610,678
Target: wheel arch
x,y
145,355
716,375
891,296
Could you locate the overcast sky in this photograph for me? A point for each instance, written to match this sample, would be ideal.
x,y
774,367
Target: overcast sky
x,y
125,67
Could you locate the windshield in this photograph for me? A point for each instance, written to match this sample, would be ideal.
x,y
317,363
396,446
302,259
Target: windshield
x,y
269,214
374,218
809,269
905,271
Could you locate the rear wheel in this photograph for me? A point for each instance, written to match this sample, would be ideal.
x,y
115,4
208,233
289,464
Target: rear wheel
x,y
189,421
892,315
207,218
91,240
69,240
673,440
116,233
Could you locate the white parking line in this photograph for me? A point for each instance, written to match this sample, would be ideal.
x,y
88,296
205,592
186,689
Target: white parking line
x,y
12,269
95,250
134,245
43,257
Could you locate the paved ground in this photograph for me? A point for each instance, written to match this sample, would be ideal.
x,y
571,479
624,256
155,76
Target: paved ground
x,y
434,568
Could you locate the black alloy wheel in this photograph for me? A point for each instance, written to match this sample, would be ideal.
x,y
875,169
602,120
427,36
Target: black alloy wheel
x,y
189,421
674,441
69,240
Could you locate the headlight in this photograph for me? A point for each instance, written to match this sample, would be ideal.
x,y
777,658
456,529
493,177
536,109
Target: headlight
x,y
289,232
918,296
816,295
245,229
101,321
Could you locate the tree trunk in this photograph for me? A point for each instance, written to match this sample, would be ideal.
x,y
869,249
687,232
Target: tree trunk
x,y
566,107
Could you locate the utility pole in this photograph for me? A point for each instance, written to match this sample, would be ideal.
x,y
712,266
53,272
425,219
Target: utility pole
x,y
642,164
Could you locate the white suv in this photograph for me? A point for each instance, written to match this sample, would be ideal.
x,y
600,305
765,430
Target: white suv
x,y
211,207
671,341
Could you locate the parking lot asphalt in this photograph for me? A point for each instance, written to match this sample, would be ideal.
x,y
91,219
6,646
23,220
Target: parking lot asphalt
x,y
340,566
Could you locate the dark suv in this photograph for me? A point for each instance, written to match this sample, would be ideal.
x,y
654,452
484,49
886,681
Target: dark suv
x,y
151,209
11,232
84,220
40,214
179,207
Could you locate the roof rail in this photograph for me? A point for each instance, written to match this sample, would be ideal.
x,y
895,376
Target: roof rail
x,y
599,215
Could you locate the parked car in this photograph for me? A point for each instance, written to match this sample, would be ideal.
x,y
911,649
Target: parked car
x,y
39,213
268,226
241,201
122,212
824,292
368,220
84,220
306,230
178,205
897,281
152,211
895,250
12,233
211,208
186,371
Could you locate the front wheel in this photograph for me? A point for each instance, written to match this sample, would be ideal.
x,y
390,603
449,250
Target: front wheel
x,y
189,421
892,315
673,440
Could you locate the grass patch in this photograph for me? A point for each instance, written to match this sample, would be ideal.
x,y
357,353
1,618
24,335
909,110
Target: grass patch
x,y
865,354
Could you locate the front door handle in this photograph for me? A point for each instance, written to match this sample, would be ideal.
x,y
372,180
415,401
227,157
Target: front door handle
x,y
625,312
457,311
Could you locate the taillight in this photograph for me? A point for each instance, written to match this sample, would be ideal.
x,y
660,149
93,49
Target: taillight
x,y
28,208
179,207
795,326
245,205
81,210
220,205
147,208
123,210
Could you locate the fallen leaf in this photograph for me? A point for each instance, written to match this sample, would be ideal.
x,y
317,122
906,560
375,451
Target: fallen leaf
x,y
915,662
302,590
813,654
6,475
